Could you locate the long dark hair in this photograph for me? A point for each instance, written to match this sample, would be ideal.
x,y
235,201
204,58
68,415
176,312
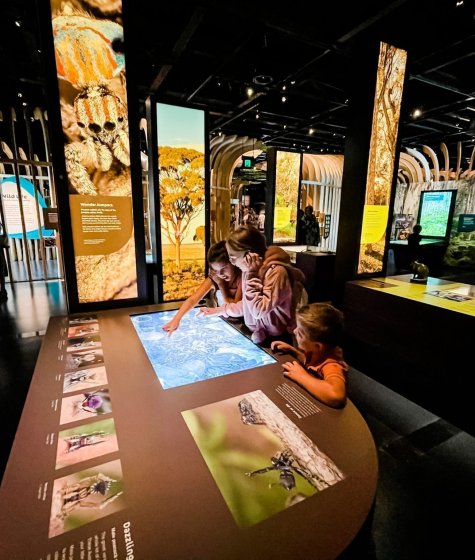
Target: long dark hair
x,y
248,238
217,253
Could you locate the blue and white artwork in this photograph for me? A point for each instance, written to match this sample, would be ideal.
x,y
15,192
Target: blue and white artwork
x,y
201,348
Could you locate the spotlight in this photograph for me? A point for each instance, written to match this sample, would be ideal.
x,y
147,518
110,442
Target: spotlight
x,y
18,23
285,127
284,99
250,91
257,115
416,113
284,88
293,82
311,130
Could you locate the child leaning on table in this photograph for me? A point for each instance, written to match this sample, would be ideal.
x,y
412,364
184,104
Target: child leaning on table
x,y
319,368
222,275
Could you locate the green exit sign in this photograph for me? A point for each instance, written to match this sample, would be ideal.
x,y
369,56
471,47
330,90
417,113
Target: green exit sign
x,y
247,162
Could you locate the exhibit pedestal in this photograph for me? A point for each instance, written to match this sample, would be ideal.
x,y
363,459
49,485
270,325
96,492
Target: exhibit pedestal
x,y
318,269
415,339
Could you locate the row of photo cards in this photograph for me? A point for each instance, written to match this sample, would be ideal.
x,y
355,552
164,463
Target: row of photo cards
x,y
93,493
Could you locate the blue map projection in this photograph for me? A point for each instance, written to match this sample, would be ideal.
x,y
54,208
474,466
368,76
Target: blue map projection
x,y
201,348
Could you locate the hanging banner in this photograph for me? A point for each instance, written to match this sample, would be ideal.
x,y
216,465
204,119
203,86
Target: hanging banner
x,y
287,180
90,65
387,107
181,178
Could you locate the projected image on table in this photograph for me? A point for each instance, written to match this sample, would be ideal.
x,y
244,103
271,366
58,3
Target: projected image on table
x,y
83,342
78,329
83,320
202,348
260,460
86,496
84,379
85,405
80,358
86,442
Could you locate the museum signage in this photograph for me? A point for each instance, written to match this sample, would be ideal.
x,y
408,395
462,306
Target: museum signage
x,y
91,73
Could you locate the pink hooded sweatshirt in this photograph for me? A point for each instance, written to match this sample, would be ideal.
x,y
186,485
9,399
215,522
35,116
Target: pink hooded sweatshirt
x,y
268,304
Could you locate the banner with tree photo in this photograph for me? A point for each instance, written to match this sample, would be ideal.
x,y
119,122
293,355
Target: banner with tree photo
x,y
181,161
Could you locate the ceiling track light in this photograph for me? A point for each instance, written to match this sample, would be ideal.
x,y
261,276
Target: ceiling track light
x,y
311,130
283,99
249,91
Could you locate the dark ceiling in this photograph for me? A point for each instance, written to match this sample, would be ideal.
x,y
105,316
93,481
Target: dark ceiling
x,y
207,53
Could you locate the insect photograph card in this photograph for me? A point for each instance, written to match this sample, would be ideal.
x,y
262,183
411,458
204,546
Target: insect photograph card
x,y
82,320
84,342
84,379
89,328
86,442
260,460
86,496
85,405
80,358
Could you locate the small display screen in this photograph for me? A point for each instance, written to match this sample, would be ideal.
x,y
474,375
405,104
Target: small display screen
x,y
435,213
201,348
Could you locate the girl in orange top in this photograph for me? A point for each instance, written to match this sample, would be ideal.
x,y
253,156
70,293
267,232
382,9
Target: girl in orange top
x,y
319,368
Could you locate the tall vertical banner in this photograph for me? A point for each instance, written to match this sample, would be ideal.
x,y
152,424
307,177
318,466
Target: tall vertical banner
x,y
90,66
181,179
387,107
287,181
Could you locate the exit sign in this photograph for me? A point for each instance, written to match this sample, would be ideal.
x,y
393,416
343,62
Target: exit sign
x,y
248,162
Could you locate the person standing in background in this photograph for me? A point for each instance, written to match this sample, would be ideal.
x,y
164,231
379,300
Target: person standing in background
x,y
310,227
413,243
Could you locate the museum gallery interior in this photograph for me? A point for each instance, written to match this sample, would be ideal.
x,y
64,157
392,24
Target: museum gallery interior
x,y
135,136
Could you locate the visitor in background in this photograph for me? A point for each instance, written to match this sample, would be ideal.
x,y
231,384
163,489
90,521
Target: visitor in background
x,y
222,276
300,227
413,243
310,227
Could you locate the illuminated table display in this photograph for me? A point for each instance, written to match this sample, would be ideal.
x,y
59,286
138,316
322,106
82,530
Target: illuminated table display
x,y
203,347
111,462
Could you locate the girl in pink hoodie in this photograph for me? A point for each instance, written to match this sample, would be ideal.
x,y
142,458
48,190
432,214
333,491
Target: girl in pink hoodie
x,y
270,286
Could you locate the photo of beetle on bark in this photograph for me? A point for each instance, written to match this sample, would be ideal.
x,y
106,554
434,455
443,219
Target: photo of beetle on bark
x,y
261,461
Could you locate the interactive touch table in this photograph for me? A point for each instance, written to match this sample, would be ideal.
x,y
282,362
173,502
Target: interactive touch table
x,y
115,457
